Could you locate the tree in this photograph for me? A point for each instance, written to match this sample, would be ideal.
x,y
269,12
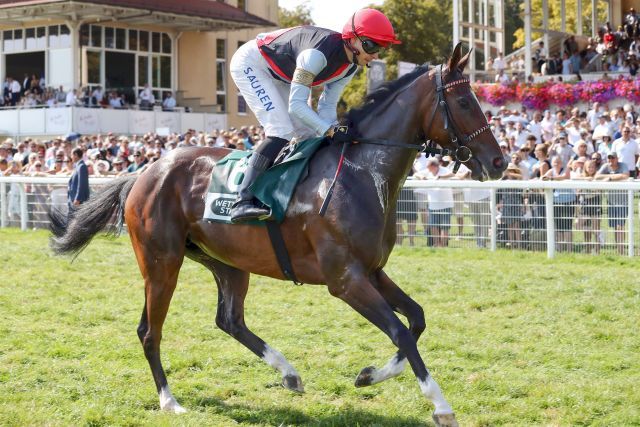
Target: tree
x,y
555,18
425,28
301,15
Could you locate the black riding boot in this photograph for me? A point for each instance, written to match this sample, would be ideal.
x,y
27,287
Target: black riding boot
x,y
245,207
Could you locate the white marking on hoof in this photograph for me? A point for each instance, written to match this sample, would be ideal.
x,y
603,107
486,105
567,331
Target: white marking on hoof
x,y
445,420
276,360
431,391
169,403
393,368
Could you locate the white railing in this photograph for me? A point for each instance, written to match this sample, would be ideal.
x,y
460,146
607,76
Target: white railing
x,y
90,121
512,214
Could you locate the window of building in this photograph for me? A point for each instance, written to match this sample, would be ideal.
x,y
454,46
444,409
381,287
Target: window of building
x,y
242,4
242,104
41,38
30,38
96,36
7,41
221,75
121,38
143,41
155,45
240,44
166,43
65,36
133,39
53,36
94,62
109,38
221,48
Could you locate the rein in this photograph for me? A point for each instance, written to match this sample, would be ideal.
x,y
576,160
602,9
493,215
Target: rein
x,y
460,153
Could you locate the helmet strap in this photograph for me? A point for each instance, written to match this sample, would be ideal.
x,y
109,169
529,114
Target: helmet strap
x,y
354,51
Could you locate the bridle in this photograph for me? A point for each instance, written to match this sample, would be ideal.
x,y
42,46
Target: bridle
x,y
460,152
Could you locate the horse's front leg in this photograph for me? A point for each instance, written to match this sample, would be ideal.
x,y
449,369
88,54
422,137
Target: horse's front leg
x,y
356,290
401,303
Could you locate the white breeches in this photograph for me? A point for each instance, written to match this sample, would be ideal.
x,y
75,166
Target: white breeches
x,y
267,97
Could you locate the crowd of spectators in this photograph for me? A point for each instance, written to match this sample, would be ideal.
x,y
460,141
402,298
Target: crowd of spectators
x,y
112,155
612,50
597,144
32,91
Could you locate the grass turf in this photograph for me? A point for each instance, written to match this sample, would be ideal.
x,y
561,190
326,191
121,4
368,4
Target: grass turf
x,y
512,338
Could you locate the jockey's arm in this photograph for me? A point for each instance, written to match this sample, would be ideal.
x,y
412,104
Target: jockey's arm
x,y
328,102
308,65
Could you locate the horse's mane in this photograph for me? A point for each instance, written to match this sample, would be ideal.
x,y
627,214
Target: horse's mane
x,y
383,93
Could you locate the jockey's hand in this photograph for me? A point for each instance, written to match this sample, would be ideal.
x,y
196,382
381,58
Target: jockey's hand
x,y
341,134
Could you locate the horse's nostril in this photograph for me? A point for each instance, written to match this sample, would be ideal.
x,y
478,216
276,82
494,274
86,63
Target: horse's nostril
x,y
498,163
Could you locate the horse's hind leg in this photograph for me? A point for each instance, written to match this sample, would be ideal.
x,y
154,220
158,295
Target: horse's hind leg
x,y
403,304
233,285
160,269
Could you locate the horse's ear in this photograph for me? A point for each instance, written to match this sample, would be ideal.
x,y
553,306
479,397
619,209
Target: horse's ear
x,y
455,57
462,64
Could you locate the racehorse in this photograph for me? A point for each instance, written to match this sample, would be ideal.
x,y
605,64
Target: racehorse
x,y
346,249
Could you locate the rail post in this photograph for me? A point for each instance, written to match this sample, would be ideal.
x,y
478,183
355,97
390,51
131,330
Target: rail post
x,y
551,227
630,216
494,222
24,211
3,204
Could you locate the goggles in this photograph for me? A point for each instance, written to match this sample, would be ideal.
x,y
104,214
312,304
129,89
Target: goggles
x,y
369,46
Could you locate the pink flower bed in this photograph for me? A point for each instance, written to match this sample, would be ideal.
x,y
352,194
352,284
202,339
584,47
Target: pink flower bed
x,y
538,96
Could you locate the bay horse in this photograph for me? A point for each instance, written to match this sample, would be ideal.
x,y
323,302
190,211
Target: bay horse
x,y
346,249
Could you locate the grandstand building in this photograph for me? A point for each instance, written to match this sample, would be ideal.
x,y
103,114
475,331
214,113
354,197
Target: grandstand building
x,y
178,46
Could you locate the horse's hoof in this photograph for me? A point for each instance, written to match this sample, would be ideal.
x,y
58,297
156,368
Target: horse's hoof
x,y
293,383
365,377
445,420
173,407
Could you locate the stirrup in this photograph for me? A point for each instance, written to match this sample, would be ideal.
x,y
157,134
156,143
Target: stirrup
x,y
247,210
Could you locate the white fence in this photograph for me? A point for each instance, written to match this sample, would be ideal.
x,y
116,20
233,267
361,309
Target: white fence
x,y
64,120
568,216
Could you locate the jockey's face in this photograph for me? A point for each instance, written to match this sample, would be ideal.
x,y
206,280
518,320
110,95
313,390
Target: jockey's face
x,y
364,58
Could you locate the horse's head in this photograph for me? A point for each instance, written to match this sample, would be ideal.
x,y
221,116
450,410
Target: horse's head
x,y
456,122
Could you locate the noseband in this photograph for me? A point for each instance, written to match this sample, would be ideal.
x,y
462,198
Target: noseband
x,y
460,152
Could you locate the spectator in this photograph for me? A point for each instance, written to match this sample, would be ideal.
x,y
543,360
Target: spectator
x,y
15,90
499,63
71,99
590,209
617,209
564,205
147,100
543,165
139,160
115,101
510,204
169,102
628,151
78,191
440,203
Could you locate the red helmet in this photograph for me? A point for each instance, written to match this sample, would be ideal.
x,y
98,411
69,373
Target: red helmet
x,y
370,23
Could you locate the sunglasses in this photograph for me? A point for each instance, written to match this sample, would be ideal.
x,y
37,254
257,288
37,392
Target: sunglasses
x,y
369,46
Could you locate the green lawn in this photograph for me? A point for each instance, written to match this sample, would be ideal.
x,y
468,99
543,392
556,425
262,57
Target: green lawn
x,y
512,338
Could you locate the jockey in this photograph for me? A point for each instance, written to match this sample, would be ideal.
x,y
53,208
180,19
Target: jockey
x,y
275,74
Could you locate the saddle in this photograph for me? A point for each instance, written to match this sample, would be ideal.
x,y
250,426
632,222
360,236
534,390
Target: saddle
x,y
274,188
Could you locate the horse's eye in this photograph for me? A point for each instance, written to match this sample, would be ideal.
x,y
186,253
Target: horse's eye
x,y
463,103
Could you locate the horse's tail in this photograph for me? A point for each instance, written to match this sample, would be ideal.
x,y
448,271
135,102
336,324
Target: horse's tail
x,y
71,236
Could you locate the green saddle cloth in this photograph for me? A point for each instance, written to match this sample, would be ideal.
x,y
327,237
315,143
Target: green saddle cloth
x,y
274,187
